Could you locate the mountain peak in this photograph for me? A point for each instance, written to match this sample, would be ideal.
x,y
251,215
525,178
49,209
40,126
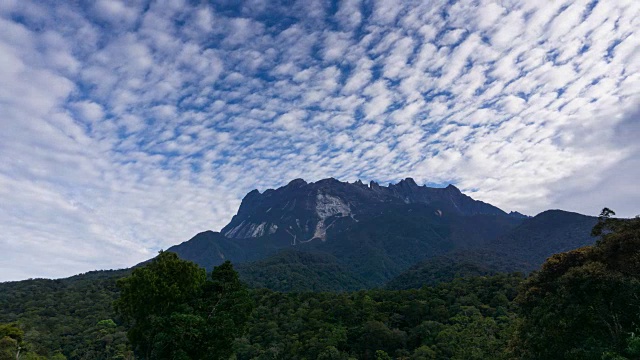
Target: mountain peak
x,y
451,187
330,181
408,182
518,215
252,193
302,211
296,183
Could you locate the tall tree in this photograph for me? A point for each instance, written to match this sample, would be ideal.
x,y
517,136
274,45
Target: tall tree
x,y
152,295
174,312
224,307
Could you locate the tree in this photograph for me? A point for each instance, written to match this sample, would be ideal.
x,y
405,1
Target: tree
x,y
331,353
152,294
382,355
174,312
11,341
605,222
423,353
225,307
584,304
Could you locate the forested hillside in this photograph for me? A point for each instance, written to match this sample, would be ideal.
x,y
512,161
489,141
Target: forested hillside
x,y
458,264
72,316
292,270
447,321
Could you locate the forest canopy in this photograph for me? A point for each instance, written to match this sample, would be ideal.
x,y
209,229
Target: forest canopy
x,y
585,303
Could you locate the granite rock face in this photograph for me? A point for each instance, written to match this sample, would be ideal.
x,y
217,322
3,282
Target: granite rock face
x,y
307,211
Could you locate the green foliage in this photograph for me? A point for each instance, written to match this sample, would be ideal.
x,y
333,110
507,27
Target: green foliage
x,y
584,304
11,341
291,270
450,320
60,317
445,268
605,222
382,355
174,312
13,346
150,296
227,305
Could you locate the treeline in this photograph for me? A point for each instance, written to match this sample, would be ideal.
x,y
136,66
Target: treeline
x,y
465,319
447,321
582,304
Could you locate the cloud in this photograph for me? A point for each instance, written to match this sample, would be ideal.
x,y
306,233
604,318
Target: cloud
x,y
115,11
609,182
385,11
128,128
349,14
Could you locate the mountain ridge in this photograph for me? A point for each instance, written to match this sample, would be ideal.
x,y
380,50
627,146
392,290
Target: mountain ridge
x,y
375,233
323,202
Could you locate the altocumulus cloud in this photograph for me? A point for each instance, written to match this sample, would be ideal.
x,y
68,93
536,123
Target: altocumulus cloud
x,y
128,126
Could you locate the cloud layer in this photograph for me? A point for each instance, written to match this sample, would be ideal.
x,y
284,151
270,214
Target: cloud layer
x,y
127,127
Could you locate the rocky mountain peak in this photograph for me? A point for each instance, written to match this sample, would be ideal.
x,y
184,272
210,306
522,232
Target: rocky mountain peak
x,y
359,183
296,183
452,188
409,182
304,211
518,215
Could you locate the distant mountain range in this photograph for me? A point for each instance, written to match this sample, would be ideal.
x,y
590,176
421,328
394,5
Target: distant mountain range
x,y
333,235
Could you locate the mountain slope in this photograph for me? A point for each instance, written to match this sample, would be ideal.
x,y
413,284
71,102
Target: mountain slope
x,y
381,247
457,264
292,270
548,233
209,249
522,249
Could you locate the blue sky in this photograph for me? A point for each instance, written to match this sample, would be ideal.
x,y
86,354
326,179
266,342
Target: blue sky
x,y
127,127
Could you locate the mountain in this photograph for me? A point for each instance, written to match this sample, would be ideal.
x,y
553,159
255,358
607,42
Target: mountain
x,y
372,250
521,249
373,233
305,211
548,233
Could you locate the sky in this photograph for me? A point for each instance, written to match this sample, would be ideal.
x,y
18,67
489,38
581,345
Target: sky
x,y
128,127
